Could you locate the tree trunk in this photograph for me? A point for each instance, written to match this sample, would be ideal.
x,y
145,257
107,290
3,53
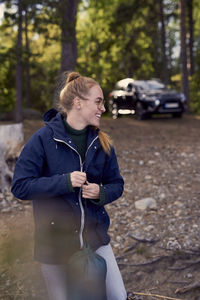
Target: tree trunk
x,y
18,115
184,70
163,42
69,43
191,33
12,138
27,67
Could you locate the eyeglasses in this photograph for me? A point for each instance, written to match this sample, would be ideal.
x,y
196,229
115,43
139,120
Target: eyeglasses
x,y
100,103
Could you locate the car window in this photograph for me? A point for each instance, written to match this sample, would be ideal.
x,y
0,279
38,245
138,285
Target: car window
x,y
155,85
140,85
148,85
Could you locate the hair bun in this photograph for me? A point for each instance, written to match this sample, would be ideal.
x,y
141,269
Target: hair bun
x,y
72,76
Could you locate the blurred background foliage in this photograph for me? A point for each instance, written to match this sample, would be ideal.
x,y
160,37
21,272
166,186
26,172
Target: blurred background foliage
x,y
114,39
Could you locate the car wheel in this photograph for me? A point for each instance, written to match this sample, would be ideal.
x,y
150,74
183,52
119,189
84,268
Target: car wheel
x,y
140,111
177,115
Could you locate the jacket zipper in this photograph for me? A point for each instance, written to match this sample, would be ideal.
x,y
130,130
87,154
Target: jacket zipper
x,y
80,202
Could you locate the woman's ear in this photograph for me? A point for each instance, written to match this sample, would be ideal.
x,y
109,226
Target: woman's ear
x,y
77,102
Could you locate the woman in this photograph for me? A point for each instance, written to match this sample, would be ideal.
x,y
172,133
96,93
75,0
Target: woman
x,y
63,163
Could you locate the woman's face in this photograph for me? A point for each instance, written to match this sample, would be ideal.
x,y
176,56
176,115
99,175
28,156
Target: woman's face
x,y
93,108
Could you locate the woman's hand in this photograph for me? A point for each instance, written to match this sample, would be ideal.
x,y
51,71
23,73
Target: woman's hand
x,y
78,178
90,190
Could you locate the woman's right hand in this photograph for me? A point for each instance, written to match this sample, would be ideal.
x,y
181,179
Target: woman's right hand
x,y
78,178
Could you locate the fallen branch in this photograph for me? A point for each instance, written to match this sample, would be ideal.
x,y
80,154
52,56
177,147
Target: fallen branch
x,y
188,265
125,254
141,240
183,251
178,268
194,262
155,295
187,288
130,248
147,262
127,251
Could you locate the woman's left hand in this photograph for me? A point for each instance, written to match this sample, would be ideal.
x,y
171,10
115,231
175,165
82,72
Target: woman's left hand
x,y
90,190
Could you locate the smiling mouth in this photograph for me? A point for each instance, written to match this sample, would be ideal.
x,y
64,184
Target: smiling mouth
x,y
98,116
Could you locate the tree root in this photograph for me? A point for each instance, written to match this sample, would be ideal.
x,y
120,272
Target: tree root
x,y
149,262
153,295
188,288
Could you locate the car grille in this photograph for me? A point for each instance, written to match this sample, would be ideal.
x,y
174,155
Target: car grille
x,y
169,100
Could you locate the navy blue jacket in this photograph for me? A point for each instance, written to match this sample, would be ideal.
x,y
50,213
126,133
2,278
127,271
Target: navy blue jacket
x,y
62,222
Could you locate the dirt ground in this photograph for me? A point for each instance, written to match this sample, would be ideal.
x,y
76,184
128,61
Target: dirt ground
x,y
158,250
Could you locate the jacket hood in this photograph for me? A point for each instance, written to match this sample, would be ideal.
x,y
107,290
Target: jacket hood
x,y
50,114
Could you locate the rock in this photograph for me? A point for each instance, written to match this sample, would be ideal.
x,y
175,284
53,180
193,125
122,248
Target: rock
x,y
178,203
145,203
148,177
4,203
149,228
156,153
6,210
178,213
173,244
162,196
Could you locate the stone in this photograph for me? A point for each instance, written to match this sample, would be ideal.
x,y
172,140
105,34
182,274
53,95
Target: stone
x,y
162,196
145,203
6,210
149,228
173,244
148,177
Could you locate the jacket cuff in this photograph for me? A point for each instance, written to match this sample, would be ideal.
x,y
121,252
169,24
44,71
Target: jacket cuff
x,y
102,198
69,183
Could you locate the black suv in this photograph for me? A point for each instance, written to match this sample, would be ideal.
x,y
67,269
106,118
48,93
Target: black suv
x,y
145,98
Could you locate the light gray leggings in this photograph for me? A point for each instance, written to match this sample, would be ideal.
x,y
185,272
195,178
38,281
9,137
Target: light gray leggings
x,y
55,278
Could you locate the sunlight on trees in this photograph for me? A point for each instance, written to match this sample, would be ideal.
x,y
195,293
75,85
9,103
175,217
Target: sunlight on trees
x,y
115,39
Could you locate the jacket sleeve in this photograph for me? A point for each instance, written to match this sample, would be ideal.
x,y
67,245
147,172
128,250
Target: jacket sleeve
x,y
112,182
28,181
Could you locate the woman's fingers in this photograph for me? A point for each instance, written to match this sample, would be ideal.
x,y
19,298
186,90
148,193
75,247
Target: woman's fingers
x,y
90,190
78,178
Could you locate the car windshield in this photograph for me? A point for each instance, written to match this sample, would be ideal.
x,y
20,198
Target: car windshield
x,y
149,85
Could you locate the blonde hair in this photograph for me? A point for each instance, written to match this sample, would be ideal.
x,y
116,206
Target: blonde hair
x,y
105,141
79,86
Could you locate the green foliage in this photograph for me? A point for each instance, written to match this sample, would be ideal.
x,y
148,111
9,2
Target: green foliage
x,y
7,70
44,62
116,39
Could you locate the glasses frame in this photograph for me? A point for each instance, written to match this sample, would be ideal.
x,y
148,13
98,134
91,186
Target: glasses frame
x,y
99,102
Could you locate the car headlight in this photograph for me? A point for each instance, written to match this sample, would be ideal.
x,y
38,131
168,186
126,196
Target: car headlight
x,y
182,97
142,96
153,99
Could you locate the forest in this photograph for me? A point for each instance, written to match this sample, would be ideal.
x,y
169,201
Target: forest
x,y
106,39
